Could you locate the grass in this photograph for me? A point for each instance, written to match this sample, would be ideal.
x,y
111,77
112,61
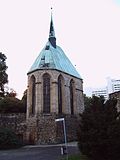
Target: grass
x,y
77,157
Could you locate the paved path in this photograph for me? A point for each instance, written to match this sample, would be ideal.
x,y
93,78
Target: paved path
x,y
36,153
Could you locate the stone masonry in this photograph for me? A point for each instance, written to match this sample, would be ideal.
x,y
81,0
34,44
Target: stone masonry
x,y
40,130
78,92
16,122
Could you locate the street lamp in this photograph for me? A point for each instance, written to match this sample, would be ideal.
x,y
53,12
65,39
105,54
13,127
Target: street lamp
x,y
64,129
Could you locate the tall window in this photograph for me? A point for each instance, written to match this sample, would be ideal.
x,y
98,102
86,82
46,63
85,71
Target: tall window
x,y
71,96
60,94
46,93
33,94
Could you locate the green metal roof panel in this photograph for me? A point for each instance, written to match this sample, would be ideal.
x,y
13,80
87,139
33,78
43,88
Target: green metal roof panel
x,y
54,58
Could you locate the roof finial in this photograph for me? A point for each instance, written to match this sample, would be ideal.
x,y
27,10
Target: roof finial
x,y
51,12
52,38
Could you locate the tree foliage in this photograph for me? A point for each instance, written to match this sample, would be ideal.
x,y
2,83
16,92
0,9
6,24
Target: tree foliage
x,y
3,74
99,131
87,101
12,105
12,93
8,101
24,98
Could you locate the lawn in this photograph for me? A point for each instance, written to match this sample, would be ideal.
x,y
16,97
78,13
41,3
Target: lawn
x,y
77,157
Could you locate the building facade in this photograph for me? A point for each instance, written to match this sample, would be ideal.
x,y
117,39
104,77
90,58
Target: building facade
x,y
100,92
55,89
113,85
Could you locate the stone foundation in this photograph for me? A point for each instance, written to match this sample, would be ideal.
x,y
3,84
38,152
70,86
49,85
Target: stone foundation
x,y
41,129
47,131
16,122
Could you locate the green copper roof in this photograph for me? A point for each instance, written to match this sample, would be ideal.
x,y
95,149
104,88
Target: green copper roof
x,y
53,57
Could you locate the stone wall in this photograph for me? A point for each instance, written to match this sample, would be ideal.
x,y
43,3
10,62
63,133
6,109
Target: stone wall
x,y
41,129
116,95
16,122
44,130
71,123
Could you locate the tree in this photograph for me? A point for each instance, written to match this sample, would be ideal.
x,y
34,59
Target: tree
x,y
3,74
12,93
99,131
24,100
87,101
12,105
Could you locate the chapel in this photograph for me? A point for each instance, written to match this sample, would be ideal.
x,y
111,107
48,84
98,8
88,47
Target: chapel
x,y
55,90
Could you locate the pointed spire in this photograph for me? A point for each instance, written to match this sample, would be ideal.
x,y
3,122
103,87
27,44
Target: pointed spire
x,y
52,31
52,38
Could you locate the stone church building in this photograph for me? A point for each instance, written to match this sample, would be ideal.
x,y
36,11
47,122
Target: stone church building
x,y
55,90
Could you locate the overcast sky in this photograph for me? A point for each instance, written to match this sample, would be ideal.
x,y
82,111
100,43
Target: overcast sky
x,y
87,30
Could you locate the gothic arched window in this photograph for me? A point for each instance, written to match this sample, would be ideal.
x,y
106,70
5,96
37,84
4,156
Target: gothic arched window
x,y
60,96
72,96
33,89
46,93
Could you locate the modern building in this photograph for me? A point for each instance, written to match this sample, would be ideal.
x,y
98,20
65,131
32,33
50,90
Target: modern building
x,y
112,86
55,90
100,92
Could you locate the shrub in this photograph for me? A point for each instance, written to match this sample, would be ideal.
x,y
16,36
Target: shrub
x,y
8,139
12,105
99,131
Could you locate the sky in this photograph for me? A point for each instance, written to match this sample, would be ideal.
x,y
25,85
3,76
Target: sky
x,y
87,30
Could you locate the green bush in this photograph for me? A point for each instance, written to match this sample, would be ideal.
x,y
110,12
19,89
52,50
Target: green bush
x,y
99,131
8,139
12,105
